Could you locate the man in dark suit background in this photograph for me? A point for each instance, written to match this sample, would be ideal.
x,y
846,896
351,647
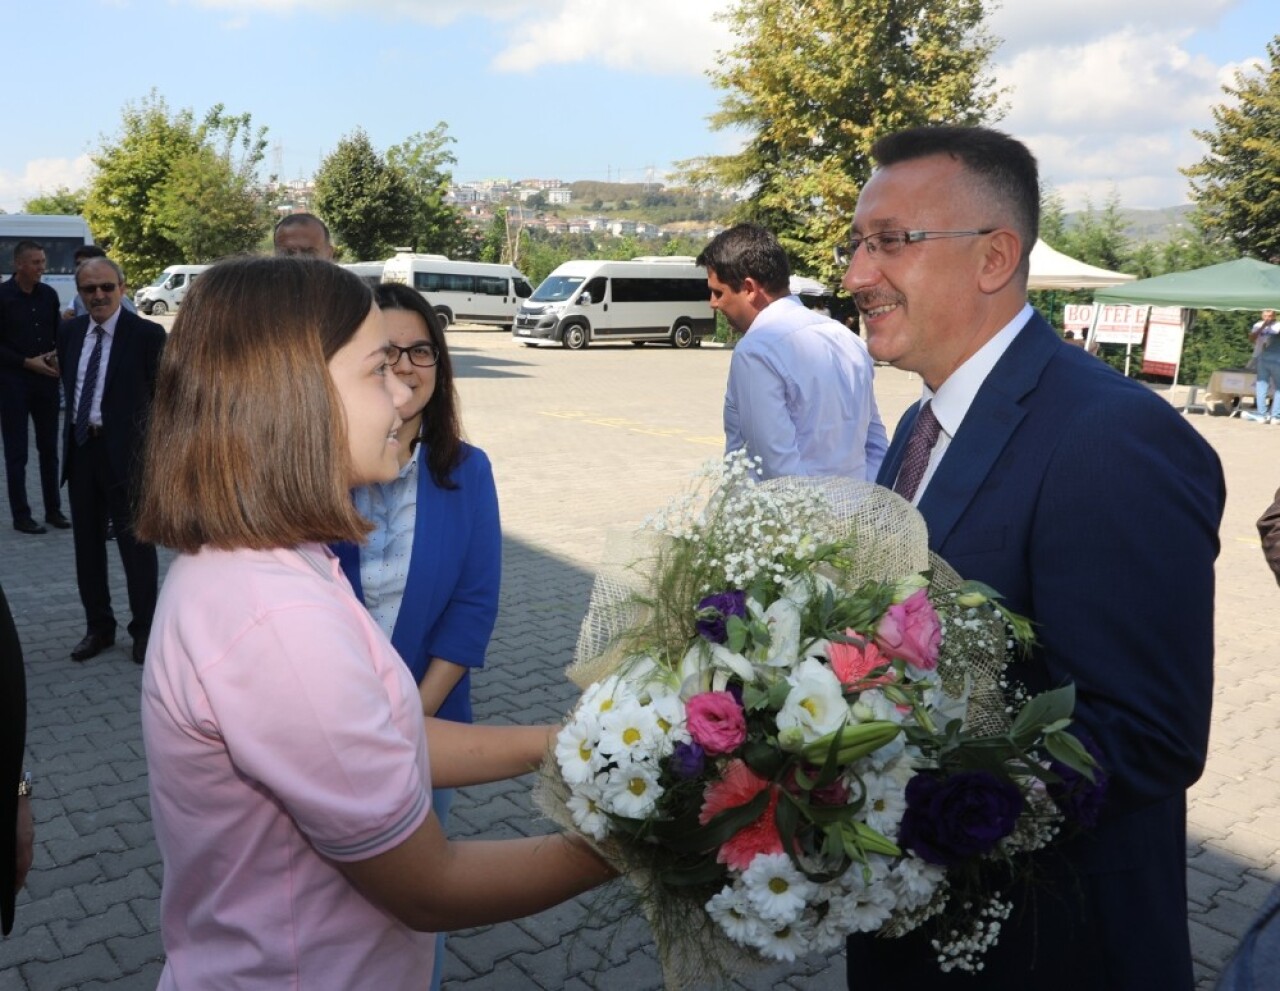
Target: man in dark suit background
x,y
16,832
109,359
1092,505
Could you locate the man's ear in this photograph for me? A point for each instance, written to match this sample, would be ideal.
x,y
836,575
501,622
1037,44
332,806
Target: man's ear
x,y
755,293
1000,260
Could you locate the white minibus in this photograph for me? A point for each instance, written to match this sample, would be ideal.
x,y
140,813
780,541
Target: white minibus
x,y
59,235
370,272
647,299
166,292
461,292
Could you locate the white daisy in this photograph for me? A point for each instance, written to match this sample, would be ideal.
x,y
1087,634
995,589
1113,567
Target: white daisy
x,y
775,889
733,913
913,882
782,943
587,815
631,790
885,798
628,728
576,752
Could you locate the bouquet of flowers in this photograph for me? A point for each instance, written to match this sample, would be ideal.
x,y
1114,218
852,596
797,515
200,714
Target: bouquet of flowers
x,y
797,726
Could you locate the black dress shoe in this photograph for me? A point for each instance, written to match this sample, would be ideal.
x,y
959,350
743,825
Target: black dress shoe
x,y
29,526
92,645
140,650
58,520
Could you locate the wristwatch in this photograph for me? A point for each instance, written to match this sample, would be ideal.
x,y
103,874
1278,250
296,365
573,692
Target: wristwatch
x,y
24,786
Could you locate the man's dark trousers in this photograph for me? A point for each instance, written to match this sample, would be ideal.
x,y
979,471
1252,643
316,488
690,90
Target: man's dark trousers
x,y
24,395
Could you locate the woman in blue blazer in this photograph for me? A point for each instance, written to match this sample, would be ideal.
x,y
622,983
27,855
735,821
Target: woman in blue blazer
x,y
436,548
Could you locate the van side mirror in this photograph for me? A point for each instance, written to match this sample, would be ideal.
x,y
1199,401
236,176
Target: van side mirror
x,y
585,299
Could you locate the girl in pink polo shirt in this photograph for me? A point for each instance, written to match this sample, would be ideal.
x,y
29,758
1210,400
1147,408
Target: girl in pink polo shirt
x,y
288,758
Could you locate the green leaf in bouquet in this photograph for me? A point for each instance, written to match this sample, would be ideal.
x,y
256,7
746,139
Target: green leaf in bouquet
x,y
1045,708
1066,748
736,633
787,816
685,836
691,874
754,698
764,758
778,693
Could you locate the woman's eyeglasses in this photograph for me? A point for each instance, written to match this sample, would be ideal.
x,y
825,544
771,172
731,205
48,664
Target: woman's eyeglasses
x,y
421,355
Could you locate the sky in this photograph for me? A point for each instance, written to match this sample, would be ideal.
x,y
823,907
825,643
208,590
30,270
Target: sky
x,y
1105,92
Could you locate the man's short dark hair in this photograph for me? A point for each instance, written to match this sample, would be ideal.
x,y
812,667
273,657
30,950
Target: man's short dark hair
x,y
748,251
1001,164
25,248
87,251
298,219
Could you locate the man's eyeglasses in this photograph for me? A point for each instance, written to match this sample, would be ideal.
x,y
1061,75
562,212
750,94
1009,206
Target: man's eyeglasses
x,y
97,287
421,355
890,243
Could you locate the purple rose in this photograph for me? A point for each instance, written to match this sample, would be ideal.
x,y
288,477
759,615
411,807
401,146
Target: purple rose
x,y
714,610
1079,799
687,760
957,817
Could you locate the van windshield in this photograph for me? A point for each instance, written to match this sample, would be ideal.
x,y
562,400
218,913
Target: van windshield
x,y
159,279
556,288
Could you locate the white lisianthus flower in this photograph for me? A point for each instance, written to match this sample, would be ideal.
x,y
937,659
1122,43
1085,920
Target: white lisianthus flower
x,y
815,705
631,790
783,620
629,728
694,672
587,814
723,659
776,889
733,913
576,752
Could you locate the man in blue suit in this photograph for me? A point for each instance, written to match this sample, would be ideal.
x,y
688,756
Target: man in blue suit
x,y
1092,506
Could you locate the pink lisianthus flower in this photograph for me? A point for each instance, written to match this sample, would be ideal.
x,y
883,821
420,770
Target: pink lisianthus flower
x,y
736,788
910,631
716,722
852,663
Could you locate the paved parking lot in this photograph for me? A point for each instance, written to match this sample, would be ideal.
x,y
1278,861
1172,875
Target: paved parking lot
x,y
582,443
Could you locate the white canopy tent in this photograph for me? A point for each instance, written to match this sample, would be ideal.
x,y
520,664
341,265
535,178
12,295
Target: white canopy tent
x,y
1052,269
804,286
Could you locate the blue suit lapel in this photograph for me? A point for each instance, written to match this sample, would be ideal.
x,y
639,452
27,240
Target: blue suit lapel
x,y
992,420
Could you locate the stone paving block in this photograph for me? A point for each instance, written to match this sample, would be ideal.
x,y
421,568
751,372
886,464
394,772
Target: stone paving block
x,y
114,865
61,904
147,912
52,877
133,953
145,979
101,895
483,947
1209,947
74,936
1251,893
1257,849
95,963
1203,888
68,851
111,815
26,944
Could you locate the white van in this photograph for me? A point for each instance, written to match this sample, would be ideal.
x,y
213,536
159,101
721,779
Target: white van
x,y
166,292
58,234
647,299
461,292
370,272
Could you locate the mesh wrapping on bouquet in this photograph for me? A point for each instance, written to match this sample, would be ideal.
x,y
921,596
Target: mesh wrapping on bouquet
x,y
890,541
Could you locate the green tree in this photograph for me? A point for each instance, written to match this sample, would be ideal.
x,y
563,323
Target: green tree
x,y
367,204
426,163
136,199
1098,237
1235,185
62,202
813,83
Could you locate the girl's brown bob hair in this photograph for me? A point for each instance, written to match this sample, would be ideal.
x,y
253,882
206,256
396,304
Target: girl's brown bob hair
x,y
247,443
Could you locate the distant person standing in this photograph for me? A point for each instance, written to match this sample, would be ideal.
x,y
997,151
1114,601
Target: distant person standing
x,y
1266,355
303,234
109,359
77,307
800,394
29,312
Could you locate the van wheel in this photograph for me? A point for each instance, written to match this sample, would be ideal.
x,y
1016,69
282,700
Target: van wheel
x,y
575,337
681,336
638,344
446,318
159,308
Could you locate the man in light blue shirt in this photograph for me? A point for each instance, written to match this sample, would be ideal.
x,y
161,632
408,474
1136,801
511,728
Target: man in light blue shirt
x,y
800,394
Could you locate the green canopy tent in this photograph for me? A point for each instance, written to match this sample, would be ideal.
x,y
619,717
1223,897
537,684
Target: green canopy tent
x,y
1243,284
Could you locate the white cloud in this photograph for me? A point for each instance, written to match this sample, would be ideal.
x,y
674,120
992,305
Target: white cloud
x,y
42,175
1024,24
673,37
424,11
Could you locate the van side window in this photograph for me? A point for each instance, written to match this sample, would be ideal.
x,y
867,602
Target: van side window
x,y
597,288
491,286
175,280
523,289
